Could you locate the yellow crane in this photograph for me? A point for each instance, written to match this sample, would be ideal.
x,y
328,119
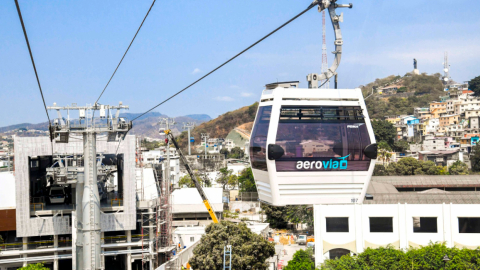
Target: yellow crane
x,y
192,176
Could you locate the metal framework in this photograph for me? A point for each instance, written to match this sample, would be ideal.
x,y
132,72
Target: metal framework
x,y
87,196
189,126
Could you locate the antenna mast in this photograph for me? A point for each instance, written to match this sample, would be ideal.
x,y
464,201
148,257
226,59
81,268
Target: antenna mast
x,y
324,50
446,70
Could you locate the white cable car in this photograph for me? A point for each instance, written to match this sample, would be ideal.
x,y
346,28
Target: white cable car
x,y
312,146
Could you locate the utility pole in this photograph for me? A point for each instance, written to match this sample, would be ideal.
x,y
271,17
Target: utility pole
x,y
165,124
205,137
189,126
88,226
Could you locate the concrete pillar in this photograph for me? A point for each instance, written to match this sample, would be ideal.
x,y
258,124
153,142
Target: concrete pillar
x,y
25,247
55,245
128,263
151,236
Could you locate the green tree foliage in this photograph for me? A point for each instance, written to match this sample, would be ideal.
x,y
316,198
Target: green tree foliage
x,y
300,214
410,166
151,145
186,180
236,153
246,182
225,178
458,168
36,266
384,131
249,250
474,85
302,259
428,257
384,145
475,158
276,216
401,146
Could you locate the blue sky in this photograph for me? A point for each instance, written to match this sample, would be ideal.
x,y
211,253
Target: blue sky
x,y
77,45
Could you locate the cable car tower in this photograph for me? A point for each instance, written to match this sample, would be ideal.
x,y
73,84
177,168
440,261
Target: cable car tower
x,y
88,225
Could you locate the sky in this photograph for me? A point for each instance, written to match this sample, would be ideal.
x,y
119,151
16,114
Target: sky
x,y
78,44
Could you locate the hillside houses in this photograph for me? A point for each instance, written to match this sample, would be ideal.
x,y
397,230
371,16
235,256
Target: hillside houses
x,y
444,131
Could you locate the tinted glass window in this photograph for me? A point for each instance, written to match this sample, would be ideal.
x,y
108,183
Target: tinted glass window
x,y
469,225
337,224
258,141
323,138
381,224
425,225
56,192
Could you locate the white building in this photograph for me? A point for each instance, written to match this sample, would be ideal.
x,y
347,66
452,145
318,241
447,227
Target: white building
x,y
188,205
436,213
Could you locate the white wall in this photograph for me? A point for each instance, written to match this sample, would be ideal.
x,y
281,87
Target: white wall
x,y
359,236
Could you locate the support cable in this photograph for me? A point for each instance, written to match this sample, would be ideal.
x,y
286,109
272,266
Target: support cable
x,y
229,60
31,58
131,42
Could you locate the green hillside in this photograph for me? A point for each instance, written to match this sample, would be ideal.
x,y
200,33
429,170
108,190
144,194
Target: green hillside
x,y
416,91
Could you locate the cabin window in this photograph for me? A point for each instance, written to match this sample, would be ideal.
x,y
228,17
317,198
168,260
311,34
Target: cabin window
x,y
258,141
469,225
337,224
381,224
322,139
425,225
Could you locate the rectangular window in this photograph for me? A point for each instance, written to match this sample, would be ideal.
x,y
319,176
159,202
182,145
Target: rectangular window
x,y
322,138
469,225
425,225
381,224
258,141
337,224
192,239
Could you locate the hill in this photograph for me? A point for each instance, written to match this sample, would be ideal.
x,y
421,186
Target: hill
x,y
221,126
414,91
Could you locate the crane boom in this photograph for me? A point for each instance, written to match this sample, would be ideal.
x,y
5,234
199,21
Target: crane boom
x,y
193,177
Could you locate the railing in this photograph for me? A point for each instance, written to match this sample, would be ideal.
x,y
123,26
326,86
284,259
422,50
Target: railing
x,y
179,260
35,206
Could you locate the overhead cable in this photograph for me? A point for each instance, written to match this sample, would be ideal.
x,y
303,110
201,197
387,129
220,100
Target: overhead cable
x,y
31,58
131,42
229,60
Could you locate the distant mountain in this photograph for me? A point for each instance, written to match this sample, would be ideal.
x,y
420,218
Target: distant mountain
x,y
200,117
145,126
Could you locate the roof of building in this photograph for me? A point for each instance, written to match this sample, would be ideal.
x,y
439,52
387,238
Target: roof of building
x,y
433,181
188,200
439,152
7,191
425,198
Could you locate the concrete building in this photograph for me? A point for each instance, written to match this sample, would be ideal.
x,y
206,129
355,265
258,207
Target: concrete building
x,y
400,219
452,119
188,205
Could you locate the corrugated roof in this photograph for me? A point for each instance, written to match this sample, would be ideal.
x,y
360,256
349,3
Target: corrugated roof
x,y
7,191
429,180
425,198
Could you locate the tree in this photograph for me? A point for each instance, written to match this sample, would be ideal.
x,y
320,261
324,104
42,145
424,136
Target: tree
x,y
186,180
302,259
458,168
236,153
384,145
246,182
379,170
37,266
384,131
475,158
474,85
225,152
249,250
300,214
276,216
224,177
401,146
427,257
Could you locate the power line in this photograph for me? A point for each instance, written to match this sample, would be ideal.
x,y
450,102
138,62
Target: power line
x,y
125,51
229,60
31,58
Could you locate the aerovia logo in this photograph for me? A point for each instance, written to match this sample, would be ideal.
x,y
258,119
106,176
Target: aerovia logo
x,y
331,164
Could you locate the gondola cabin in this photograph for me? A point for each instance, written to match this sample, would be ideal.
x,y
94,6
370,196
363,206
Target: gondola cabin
x,y
311,146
